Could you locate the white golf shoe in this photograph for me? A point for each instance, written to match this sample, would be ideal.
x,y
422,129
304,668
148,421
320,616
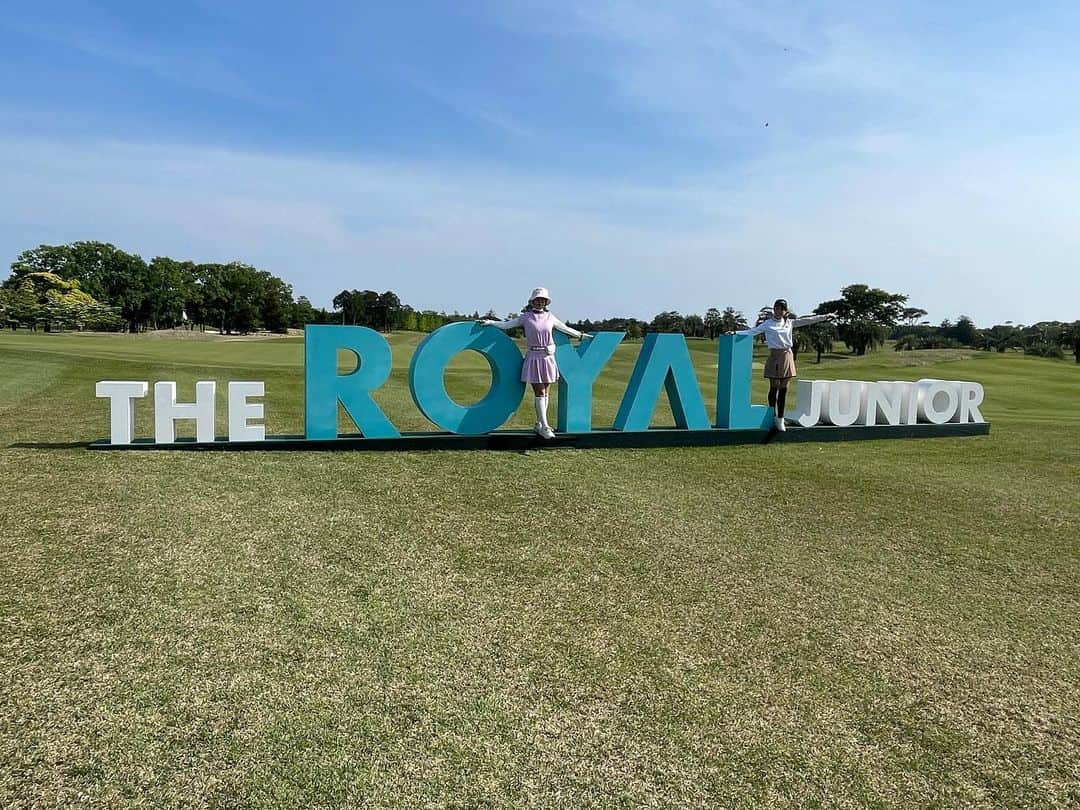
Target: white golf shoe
x,y
779,422
543,431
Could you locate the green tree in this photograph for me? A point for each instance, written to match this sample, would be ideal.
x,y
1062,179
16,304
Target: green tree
x,y
46,298
912,315
360,308
694,326
1070,338
104,272
23,305
999,338
1043,339
864,315
388,308
408,319
303,313
963,331
817,337
670,321
231,297
732,320
171,290
713,324
274,299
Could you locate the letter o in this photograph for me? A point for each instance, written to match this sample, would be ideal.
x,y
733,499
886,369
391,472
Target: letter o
x,y
931,391
429,391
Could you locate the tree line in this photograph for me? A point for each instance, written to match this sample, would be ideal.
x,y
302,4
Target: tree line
x,y
95,285
867,317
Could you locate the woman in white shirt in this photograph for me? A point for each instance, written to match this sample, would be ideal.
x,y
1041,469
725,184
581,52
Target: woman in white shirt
x,y
780,365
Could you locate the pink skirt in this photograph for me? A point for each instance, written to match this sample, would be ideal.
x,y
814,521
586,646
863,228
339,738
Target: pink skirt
x,y
539,367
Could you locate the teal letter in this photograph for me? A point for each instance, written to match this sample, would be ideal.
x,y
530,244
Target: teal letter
x,y
578,370
733,369
430,361
324,387
664,362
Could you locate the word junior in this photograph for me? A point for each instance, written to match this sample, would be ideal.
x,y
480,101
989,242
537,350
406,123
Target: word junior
x,y
842,403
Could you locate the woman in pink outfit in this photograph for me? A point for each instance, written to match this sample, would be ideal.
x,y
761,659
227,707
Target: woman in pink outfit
x,y
539,368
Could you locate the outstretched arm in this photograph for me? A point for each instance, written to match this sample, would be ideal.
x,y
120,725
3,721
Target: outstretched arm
x,y
753,330
566,330
810,319
504,325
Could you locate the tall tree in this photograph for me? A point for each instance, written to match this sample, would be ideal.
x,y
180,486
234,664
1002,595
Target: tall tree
x,y
23,304
303,313
963,331
999,338
52,301
171,290
670,321
389,308
1070,338
274,299
713,324
912,315
732,320
817,337
864,315
694,326
104,272
231,297
350,305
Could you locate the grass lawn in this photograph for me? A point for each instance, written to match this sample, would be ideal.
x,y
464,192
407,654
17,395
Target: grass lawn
x,y
884,623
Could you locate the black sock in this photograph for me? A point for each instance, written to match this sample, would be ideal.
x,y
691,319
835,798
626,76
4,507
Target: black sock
x,y
772,397
781,399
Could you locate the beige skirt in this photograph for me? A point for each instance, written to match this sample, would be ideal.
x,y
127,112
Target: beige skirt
x,y
780,365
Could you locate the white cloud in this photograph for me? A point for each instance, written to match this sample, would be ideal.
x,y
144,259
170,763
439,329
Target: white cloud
x,y
975,231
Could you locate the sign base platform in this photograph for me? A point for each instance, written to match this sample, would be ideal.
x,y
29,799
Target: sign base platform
x,y
523,440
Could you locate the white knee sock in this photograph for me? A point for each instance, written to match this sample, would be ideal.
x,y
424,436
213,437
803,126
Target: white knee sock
x,y
541,405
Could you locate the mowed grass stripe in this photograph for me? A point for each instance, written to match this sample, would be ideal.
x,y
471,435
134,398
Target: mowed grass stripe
x,y
885,623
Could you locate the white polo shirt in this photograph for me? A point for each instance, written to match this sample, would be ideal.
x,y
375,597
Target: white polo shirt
x,y
778,333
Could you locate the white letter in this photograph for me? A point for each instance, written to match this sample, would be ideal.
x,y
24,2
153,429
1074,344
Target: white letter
x,y
929,391
854,392
240,410
808,398
912,396
886,398
121,396
167,410
971,397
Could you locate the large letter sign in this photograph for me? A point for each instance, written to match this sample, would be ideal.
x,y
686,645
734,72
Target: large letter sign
x,y
734,363
664,362
121,395
843,409
429,365
578,370
167,411
840,403
324,387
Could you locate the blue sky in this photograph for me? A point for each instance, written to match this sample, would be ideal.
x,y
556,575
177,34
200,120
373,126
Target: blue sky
x,y
631,156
